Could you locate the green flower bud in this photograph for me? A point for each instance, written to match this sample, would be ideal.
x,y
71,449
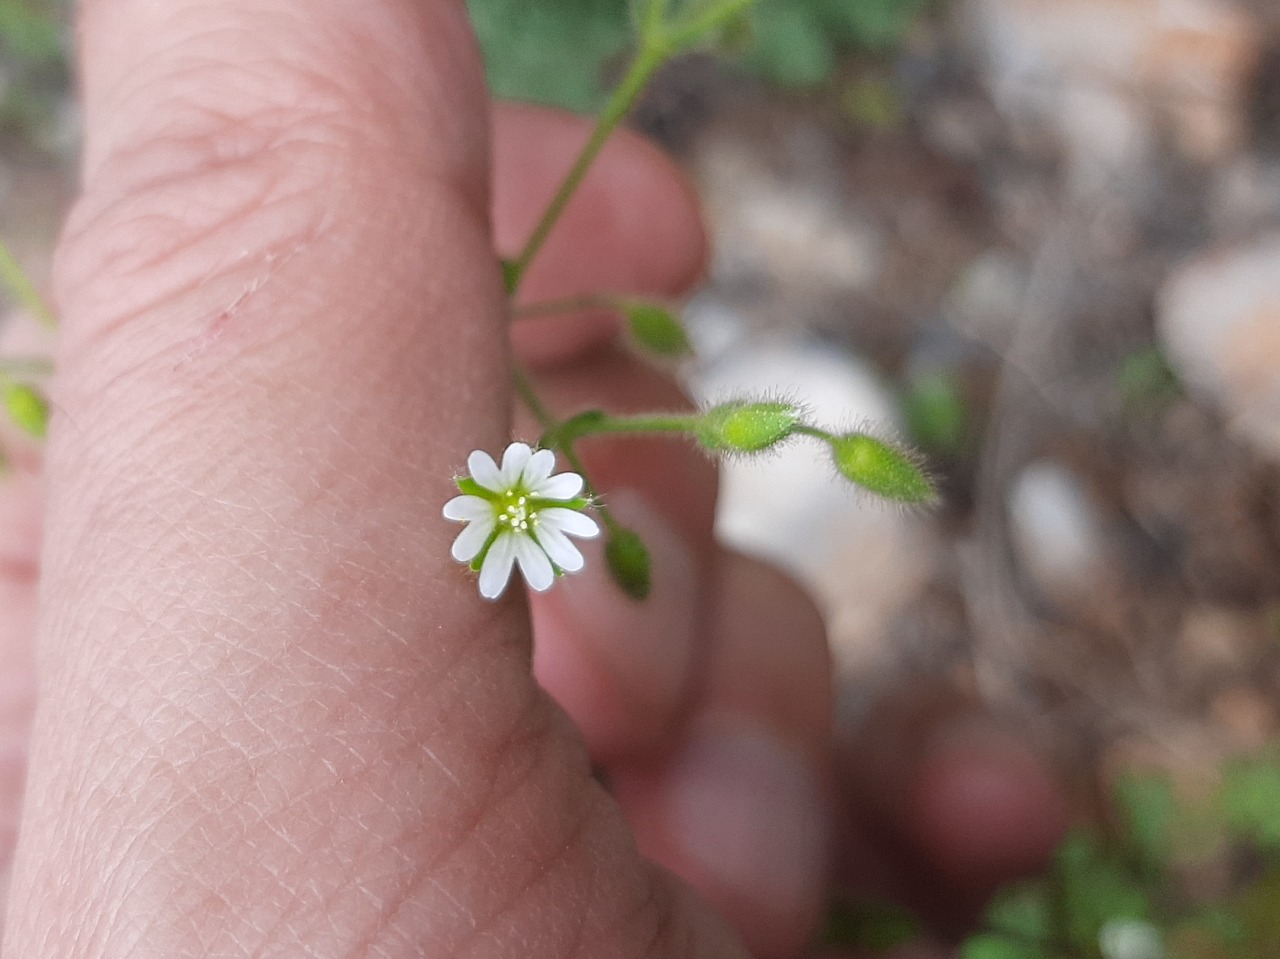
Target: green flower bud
x,y
657,330
28,408
881,468
629,563
744,427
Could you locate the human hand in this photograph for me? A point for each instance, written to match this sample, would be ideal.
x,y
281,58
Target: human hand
x,y
275,718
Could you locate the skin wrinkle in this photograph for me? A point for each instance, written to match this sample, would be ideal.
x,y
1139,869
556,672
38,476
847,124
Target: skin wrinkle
x,y
285,76
226,853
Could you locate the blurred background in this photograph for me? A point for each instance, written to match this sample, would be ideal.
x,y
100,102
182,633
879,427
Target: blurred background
x,y
1040,241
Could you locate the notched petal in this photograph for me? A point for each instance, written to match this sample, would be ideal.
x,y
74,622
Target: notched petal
x,y
569,521
471,540
495,572
515,458
563,486
467,508
534,565
485,471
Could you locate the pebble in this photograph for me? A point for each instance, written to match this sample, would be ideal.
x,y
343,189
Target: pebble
x,y
1056,530
1107,75
1219,322
799,234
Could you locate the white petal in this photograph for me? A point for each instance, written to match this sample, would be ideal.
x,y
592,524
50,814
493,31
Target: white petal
x,y
568,521
513,461
560,486
495,571
468,508
485,471
534,565
539,467
472,539
558,548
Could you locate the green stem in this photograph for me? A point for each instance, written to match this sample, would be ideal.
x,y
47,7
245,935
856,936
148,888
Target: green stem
x,y
817,433
686,34
532,400
653,18
595,426
651,55
572,304
16,279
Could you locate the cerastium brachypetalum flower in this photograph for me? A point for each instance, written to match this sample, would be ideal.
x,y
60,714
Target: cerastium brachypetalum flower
x,y
519,514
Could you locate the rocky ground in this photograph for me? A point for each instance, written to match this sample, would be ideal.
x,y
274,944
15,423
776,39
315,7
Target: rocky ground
x,y
1043,242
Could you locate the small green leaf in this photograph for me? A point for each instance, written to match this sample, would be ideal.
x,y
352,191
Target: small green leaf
x,y
1096,887
1022,911
1250,800
868,925
991,946
628,560
881,468
1147,804
743,427
872,103
28,409
935,413
656,329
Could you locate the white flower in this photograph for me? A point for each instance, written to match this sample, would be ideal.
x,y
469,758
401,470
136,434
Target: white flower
x,y
519,513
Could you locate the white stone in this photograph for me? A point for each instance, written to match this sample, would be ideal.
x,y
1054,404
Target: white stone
x,y
799,234
1219,321
1106,74
1056,530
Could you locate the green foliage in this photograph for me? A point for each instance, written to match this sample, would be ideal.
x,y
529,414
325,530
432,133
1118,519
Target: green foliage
x,y
1124,893
1095,886
550,51
1250,801
1022,912
868,925
872,103
994,946
1147,809
798,41
33,49
936,415
31,30
560,51
1146,380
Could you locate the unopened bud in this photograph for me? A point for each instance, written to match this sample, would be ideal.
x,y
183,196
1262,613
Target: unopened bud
x,y
28,408
882,468
746,427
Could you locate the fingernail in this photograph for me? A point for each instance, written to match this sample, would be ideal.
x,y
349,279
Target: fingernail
x,y
748,811
645,649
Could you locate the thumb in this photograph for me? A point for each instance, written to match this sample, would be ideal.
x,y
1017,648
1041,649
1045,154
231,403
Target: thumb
x,y
274,717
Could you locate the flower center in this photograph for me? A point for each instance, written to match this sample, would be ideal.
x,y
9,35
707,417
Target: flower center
x,y
517,513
